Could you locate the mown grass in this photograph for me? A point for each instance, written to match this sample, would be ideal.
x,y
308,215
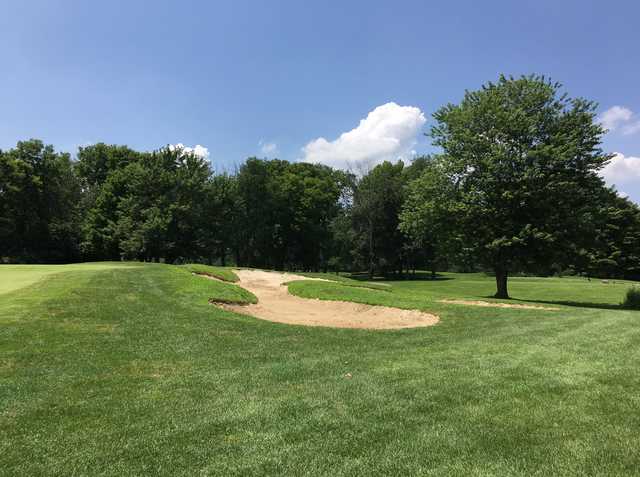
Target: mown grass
x,y
222,273
130,372
346,281
13,277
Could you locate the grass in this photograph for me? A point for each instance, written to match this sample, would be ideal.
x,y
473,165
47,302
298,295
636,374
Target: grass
x,y
13,277
632,299
222,273
128,371
346,281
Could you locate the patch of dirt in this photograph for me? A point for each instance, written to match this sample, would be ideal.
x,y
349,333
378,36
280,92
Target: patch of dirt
x,y
276,304
497,305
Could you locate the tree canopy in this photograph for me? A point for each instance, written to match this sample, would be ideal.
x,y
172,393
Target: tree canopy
x,y
514,188
517,182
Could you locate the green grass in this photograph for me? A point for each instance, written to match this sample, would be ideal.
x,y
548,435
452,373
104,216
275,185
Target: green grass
x,y
222,273
346,281
128,371
13,277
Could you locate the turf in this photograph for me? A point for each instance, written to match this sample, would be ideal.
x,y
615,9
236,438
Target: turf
x,y
13,277
346,281
222,273
129,371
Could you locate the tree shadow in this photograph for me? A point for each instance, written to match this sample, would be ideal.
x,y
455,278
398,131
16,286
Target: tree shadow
x,y
577,304
424,276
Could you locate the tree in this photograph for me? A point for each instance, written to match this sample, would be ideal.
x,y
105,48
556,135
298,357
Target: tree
x,y
425,217
100,168
616,252
39,197
376,205
519,175
285,212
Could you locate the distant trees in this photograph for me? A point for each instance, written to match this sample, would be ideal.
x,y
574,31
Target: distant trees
x,y
517,182
514,190
615,252
39,198
379,245
116,203
285,214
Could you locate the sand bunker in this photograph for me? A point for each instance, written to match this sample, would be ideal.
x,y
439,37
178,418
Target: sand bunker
x,y
497,305
276,304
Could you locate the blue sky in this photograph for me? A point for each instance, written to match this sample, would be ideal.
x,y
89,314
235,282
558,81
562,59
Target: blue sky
x,y
245,78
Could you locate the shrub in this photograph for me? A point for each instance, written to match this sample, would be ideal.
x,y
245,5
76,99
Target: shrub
x,y
632,300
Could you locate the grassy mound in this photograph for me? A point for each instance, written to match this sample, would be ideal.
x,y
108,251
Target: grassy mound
x,y
222,273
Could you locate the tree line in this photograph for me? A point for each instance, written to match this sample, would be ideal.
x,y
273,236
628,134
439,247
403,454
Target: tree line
x,y
515,189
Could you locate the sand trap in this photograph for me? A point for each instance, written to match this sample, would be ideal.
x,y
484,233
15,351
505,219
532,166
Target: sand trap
x,y
497,305
276,304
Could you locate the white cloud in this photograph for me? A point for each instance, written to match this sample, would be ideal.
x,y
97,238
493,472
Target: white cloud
x,y
268,148
619,117
624,171
389,132
197,150
614,116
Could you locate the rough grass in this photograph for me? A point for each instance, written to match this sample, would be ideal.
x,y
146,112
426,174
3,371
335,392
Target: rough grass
x,y
632,299
222,273
128,371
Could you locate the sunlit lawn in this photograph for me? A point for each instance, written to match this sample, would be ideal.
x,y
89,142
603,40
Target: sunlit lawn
x,y
111,369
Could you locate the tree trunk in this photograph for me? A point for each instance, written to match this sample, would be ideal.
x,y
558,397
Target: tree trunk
x,y
501,284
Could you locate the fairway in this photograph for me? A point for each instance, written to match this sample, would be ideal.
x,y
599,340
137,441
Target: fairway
x,y
13,277
110,369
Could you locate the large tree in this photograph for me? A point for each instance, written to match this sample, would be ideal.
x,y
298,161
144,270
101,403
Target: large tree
x,y
519,175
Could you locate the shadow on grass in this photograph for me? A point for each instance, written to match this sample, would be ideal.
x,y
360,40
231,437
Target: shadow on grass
x,y
426,276
578,304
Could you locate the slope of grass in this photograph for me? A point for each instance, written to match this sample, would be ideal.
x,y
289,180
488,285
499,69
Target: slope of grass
x,y
128,371
13,277
222,273
346,281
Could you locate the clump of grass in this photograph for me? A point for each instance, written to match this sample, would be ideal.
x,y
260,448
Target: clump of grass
x,y
632,299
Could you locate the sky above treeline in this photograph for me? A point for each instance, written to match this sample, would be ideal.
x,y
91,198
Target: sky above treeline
x,y
345,83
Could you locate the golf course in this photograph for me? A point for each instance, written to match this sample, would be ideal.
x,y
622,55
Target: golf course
x,y
341,239
124,368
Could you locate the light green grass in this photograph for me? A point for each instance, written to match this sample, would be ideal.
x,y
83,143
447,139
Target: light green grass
x,y
13,277
128,371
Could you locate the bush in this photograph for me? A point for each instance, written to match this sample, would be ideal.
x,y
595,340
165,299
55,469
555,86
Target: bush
x,y
632,300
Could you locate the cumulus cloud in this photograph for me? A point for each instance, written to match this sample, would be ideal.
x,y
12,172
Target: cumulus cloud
x,y
622,168
197,150
620,118
388,133
268,148
624,172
